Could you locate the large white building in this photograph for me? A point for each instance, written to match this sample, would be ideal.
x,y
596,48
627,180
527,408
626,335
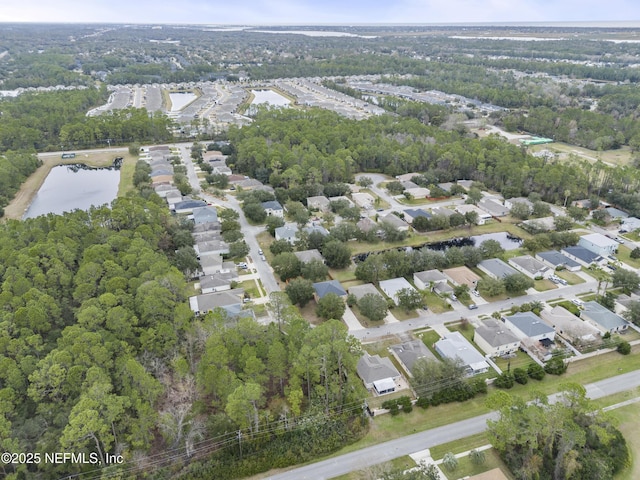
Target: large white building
x,y
598,243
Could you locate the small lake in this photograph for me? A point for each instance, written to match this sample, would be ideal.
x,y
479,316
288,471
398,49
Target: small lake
x,y
269,97
71,187
181,100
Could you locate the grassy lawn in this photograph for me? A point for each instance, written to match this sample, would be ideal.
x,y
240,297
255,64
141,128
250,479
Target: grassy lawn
x,y
521,360
376,402
467,468
251,288
435,303
597,274
544,285
465,330
621,156
364,321
376,471
429,338
401,314
570,277
624,256
628,418
343,275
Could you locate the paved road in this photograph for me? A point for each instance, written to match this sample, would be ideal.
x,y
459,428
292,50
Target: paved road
x,y
249,231
429,438
424,320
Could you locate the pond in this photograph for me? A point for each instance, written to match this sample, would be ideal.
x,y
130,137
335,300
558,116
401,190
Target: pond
x,y
270,97
71,187
506,241
181,100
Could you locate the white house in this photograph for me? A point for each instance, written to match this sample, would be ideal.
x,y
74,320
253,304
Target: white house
x,y
482,215
393,286
603,319
495,339
599,244
274,208
530,266
287,232
378,373
454,346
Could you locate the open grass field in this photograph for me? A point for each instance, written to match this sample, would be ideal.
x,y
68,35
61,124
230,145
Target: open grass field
x,y
624,255
98,158
620,156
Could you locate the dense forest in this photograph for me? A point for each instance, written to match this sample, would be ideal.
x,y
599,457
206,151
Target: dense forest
x,y
293,148
101,354
49,120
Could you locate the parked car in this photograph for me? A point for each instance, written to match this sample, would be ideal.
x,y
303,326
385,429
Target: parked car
x,y
473,306
577,302
263,258
260,252
475,293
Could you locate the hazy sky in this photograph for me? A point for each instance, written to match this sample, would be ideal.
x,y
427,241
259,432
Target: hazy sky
x,y
317,11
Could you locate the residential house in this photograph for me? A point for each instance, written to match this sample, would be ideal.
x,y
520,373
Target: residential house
x,y
616,213
584,203
496,268
212,264
396,222
447,212
446,186
330,286
466,184
630,224
527,325
164,190
363,200
360,291
424,280
412,213
366,225
493,207
418,192
408,353
454,346
495,339
288,232
320,202
598,244
554,259
206,214
161,180
222,170
218,282
306,256
602,318
274,208
583,256
250,184
567,325
407,176
208,302
392,286
187,205
510,202
341,198
378,373
408,184
482,215
443,289
542,224
172,197
211,247
313,228
623,301
462,276
530,266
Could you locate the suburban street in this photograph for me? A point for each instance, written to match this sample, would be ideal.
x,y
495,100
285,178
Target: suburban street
x,y
249,231
387,451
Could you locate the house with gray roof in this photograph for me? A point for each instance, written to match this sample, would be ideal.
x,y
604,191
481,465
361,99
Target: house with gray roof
x,y
455,347
630,224
316,229
510,202
408,353
319,202
425,279
602,318
305,256
172,197
218,282
274,208
496,268
378,373
554,259
598,244
530,266
208,302
188,205
341,198
211,247
164,190
360,291
396,222
493,207
411,214
446,212
392,286
206,214
366,224
327,287
567,325
582,255
616,213
527,325
288,232
445,186
495,339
